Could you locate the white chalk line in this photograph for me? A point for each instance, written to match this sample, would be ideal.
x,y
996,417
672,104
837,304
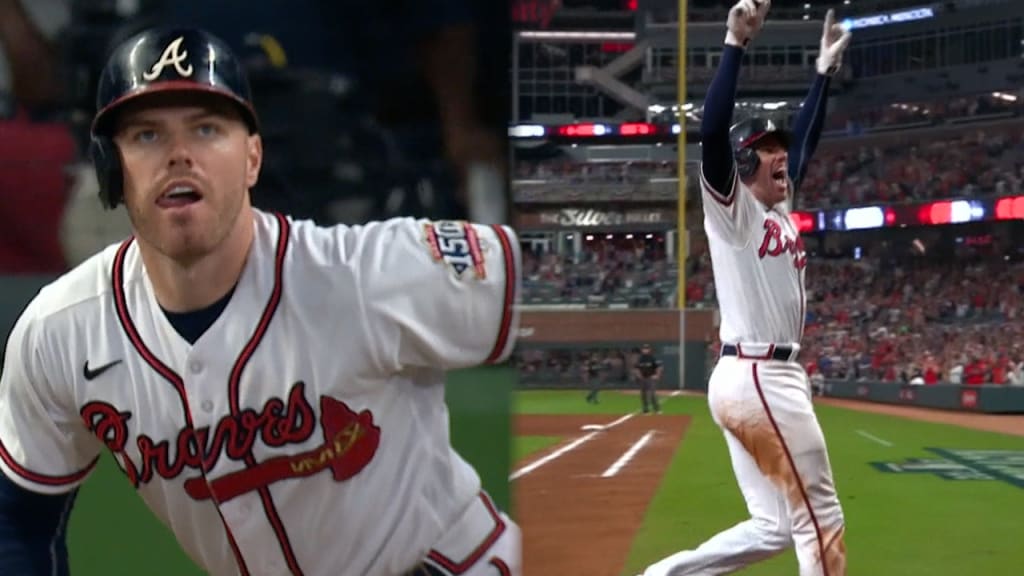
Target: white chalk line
x,y
567,448
594,428
628,455
874,438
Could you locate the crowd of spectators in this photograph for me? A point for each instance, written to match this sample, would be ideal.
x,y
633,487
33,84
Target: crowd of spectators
x,y
569,171
623,273
953,321
973,163
969,163
929,112
921,320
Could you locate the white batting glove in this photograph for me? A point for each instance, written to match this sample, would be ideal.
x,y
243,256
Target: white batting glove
x,y
834,40
746,18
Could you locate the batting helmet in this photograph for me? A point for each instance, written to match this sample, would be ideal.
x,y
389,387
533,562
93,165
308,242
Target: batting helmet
x,y
744,134
160,61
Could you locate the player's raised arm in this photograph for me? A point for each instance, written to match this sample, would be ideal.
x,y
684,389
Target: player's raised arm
x,y
439,294
745,21
809,122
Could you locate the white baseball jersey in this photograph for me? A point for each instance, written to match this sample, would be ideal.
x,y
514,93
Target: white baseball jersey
x,y
758,260
306,431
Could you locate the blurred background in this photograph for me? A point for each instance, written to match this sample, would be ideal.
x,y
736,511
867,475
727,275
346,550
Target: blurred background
x,y
369,110
911,211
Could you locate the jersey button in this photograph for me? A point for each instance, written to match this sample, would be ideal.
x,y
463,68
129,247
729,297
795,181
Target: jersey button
x,y
195,366
207,406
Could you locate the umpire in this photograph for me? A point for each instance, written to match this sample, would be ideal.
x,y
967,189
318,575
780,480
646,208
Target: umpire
x,y
647,370
593,376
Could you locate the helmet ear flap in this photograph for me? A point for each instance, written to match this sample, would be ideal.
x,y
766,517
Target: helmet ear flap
x,y
747,162
106,159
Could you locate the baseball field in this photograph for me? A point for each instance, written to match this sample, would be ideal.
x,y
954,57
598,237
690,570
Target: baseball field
x,y
604,491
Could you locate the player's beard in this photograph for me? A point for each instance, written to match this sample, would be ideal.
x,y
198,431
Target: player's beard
x,y
188,238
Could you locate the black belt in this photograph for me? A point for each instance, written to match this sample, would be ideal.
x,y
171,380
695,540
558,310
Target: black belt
x,y
783,353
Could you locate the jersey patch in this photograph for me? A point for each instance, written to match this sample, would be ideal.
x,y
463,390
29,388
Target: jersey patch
x,y
457,245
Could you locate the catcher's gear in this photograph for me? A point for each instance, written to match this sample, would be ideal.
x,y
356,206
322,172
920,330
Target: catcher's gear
x,y
745,20
160,61
834,39
744,134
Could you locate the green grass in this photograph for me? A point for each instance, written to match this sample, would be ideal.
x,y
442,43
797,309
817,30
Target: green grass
x,y
523,446
572,402
897,524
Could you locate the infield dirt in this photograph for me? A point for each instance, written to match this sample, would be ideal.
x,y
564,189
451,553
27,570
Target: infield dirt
x,y
575,521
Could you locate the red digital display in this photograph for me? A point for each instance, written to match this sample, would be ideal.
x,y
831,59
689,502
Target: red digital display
x,y
576,130
616,47
804,221
1010,208
636,129
936,213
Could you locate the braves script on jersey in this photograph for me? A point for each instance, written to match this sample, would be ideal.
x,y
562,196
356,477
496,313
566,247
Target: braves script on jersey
x,y
758,260
305,432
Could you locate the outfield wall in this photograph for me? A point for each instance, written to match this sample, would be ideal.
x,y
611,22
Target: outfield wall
x,y
987,398
563,338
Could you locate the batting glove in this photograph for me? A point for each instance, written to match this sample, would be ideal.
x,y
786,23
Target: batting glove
x,y
746,18
834,40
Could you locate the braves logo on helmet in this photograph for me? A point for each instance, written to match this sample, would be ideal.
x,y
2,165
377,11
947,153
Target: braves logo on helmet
x,y
173,55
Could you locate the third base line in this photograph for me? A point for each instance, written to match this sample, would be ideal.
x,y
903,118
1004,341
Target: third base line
x,y
625,458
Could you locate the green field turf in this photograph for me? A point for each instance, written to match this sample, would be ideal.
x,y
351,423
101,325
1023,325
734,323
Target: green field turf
x,y
905,524
523,446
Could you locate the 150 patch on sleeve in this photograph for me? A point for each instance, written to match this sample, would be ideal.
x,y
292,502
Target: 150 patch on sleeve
x,y
457,245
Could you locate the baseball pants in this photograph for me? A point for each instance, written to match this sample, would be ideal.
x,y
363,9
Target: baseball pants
x,y
649,394
781,464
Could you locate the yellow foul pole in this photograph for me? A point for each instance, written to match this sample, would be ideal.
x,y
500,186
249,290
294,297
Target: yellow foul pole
x,y
681,234
681,250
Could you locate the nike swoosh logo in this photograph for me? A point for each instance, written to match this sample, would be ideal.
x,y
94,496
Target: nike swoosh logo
x,y
95,372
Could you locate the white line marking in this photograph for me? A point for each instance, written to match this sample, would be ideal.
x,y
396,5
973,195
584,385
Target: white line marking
x,y
564,449
676,393
625,458
620,420
874,438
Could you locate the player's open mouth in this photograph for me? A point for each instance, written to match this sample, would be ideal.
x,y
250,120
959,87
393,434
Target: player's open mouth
x,y
178,194
779,176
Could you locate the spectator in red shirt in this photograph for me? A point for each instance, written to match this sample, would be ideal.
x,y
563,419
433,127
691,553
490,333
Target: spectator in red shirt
x,y
999,371
931,370
976,372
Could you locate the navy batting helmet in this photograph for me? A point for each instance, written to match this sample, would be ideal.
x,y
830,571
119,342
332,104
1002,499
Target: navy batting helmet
x,y
160,61
744,134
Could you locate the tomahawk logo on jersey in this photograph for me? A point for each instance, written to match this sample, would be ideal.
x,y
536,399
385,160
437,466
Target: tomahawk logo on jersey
x,y
306,431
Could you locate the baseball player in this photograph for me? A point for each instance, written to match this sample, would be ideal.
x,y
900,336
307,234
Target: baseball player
x,y
758,393
647,370
593,376
273,390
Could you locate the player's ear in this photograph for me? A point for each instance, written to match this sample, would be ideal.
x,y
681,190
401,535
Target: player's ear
x,y
254,160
